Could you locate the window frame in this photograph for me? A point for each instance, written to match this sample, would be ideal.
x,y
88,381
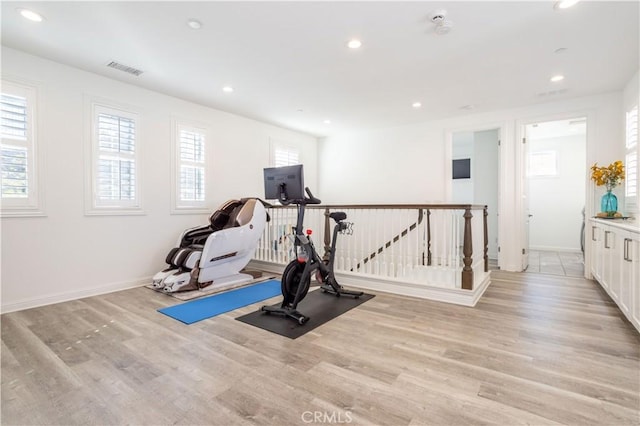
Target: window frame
x,y
633,149
33,204
93,205
179,206
535,173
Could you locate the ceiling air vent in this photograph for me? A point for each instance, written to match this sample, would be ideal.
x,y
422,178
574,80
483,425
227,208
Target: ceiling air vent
x,y
125,68
552,92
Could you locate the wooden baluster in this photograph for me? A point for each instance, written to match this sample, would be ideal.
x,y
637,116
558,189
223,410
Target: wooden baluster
x,y
486,241
327,235
467,271
418,246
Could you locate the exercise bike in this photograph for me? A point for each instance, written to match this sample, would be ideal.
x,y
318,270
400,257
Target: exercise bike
x,y
296,278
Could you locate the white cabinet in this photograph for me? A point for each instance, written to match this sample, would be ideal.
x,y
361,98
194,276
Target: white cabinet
x,y
615,264
630,273
612,258
597,251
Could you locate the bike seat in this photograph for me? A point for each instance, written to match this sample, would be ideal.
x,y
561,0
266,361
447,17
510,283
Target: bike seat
x,y
338,216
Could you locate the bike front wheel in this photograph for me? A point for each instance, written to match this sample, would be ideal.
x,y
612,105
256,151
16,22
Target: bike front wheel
x,y
291,282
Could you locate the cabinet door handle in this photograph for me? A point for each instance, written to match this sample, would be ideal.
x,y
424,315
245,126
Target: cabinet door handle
x,y
627,241
593,233
606,239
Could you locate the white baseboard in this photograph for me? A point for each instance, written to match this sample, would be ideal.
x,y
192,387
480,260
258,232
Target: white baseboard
x,y
422,291
71,295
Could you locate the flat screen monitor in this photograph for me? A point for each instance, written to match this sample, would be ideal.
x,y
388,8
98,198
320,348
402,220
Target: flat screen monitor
x,y
462,168
284,183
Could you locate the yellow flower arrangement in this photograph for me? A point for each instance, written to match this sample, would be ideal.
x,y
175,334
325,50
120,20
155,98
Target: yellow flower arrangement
x,y
609,176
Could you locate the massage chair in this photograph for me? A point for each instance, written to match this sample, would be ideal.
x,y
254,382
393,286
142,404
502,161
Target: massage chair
x,y
214,254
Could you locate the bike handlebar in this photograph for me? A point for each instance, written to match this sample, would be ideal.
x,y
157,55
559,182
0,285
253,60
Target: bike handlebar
x,y
311,199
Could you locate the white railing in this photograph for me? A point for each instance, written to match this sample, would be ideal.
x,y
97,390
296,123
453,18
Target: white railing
x,y
443,246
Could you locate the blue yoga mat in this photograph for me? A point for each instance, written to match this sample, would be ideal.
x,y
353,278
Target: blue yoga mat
x,y
207,307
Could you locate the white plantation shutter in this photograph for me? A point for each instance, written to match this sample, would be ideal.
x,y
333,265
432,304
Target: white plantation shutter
x,y
115,161
116,158
14,117
284,156
189,170
631,157
17,150
631,184
15,177
192,165
15,147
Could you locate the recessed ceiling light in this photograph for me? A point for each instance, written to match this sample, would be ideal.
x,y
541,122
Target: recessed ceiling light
x,y
557,78
227,89
565,4
30,15
416,104
194,24
327,121
354,44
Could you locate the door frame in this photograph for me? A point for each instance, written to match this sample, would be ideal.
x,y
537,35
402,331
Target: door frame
x,y
520,151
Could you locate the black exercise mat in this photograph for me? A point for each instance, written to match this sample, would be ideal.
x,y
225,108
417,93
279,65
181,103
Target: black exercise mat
x,y
318,306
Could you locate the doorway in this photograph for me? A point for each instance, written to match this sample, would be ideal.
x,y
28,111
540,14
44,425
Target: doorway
x,y
480,150
555,196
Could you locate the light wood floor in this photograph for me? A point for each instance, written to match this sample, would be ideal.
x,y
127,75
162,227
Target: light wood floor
x,y
537,349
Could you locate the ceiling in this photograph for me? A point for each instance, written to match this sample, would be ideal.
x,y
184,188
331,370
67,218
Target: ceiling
x,y
289,65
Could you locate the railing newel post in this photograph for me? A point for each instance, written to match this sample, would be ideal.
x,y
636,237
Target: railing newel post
x,y
467,251
428,237
486,240
327,235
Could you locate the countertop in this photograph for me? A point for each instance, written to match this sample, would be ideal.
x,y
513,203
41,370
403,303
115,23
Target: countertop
x,y
630,224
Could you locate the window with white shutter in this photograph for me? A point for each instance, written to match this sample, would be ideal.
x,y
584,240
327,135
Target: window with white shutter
x,y
115,174
190,168
18,181
631,159
284,156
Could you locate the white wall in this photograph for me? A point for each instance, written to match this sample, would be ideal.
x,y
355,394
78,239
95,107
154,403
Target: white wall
x,y
411,164
485,176
462,147
556,202
631,93
66,254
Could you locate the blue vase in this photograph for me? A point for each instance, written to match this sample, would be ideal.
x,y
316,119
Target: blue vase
x,y
609,203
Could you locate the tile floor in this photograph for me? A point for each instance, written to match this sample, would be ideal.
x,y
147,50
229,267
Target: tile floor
x,y
556,263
